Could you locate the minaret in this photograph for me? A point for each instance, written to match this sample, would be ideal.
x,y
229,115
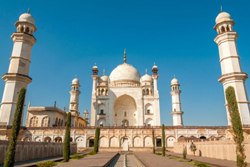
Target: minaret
x,y
93,101
176,103
17,76
232,74
74,101
155,77
74,97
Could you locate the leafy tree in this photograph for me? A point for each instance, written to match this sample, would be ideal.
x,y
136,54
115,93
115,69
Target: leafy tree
x,y
193,148
236,126
66,147
184,152
10,155
153,138
163,140
96,141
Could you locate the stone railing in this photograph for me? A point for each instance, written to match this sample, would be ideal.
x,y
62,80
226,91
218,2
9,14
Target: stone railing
x,y
34,150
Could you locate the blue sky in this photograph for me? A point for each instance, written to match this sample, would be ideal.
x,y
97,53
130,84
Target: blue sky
x,y
176,35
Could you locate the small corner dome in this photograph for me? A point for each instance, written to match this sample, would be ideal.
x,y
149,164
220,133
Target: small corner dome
x,y
27,17
95,67
104,78
174,81
155,66
125,72
75,81
223,16
146,77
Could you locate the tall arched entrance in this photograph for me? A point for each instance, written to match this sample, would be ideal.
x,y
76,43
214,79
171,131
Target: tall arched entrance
x,y
125,111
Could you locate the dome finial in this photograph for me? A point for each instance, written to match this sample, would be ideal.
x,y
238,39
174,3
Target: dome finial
x,y
146,71
221,8
28,11
125,56
103,72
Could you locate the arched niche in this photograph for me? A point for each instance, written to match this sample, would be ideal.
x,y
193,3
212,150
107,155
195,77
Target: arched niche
x,y
125,109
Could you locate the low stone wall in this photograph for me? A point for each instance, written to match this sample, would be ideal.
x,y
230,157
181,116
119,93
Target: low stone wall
x,y
118,149
34,150
213,149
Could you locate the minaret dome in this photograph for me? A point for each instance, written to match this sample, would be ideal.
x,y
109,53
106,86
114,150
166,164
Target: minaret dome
x,y
174,81
75,81
26,24
95,70
27,17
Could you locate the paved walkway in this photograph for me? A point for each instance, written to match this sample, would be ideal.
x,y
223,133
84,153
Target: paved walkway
x,y
212,161
98,160
152,160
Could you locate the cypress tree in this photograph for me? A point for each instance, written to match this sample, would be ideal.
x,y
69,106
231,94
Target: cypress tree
x,y
163,141
153,138
96,141
66,147
236,126
11,151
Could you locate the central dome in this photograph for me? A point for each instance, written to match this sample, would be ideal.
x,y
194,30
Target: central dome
x,y
125,72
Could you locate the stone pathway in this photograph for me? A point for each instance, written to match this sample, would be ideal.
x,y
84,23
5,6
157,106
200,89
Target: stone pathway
x,y
126,160
132,161
152,160
98,160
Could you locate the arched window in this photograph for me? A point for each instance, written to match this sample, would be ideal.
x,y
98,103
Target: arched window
x,y
223,29
34,122
143,92
27,29
56,122
58,139
102,112
149,109
21,29
228,29
45,122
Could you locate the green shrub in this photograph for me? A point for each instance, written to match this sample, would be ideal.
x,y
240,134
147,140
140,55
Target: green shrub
x,y
92,153
10,155
77,156
46,164
200,164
